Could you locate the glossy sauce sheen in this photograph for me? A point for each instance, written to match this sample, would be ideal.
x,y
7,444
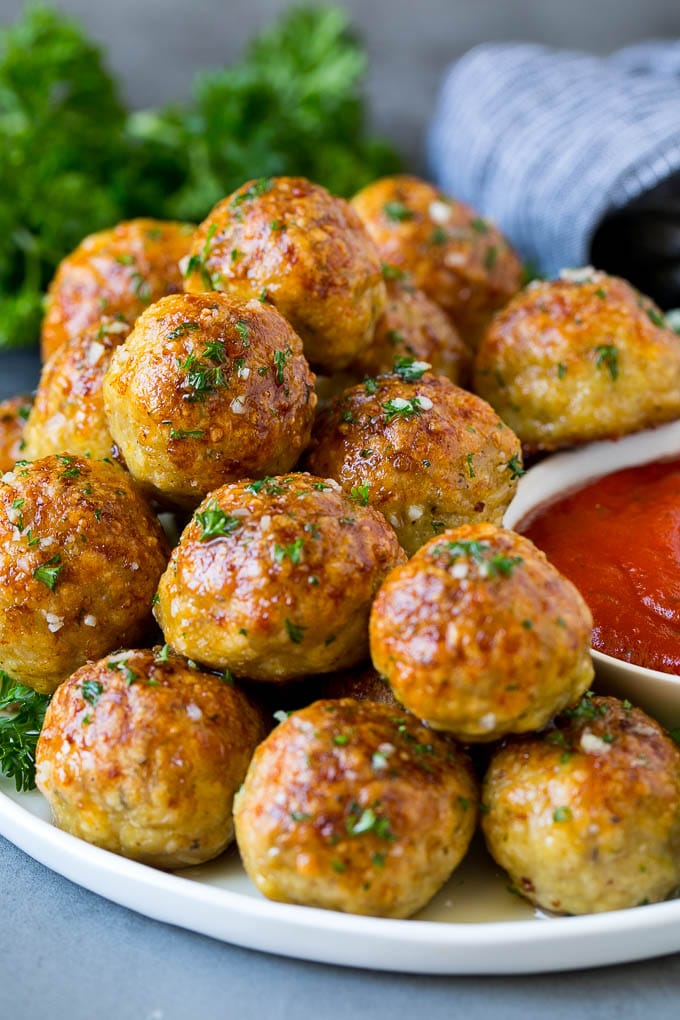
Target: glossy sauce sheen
x,y
618,540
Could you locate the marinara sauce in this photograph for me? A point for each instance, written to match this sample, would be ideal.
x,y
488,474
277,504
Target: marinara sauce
x,y
618,540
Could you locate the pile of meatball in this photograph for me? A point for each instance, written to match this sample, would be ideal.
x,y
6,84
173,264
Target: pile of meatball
x,y
345,662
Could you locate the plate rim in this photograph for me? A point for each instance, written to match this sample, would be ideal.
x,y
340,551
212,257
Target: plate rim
x,y
309,933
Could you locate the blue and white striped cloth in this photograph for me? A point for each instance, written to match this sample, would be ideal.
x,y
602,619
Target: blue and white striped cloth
x,y
546,142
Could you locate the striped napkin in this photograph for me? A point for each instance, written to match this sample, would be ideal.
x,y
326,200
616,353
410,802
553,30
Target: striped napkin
x,y
547,143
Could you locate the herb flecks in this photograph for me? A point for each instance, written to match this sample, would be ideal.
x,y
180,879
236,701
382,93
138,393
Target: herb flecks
x,y
214,522
481,554
607,357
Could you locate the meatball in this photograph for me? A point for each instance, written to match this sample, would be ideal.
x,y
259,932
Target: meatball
x,y
68,413
13,415
427,454
481,636
116,272
581,358
413,326
208,389
80,558
351,807
290,242
274,579
460,260
586,816
141,754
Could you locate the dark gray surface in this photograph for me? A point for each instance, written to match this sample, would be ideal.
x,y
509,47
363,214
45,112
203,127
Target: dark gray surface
x,y
67,953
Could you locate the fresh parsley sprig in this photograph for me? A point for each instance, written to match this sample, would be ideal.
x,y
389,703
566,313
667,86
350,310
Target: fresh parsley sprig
x,y
23,712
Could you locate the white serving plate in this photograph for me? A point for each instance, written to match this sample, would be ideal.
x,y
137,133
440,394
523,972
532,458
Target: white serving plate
x,y
656,692
475,925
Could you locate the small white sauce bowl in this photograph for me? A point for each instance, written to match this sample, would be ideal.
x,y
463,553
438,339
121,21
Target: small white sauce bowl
x,y
656,692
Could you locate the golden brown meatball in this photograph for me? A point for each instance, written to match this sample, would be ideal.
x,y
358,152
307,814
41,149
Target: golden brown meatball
x,y
13,415
460,260
413,326
427,454
350,807
116,272
68,413
208,389
292,243
581,358
274,579
141,754
586,816
80,559
481,636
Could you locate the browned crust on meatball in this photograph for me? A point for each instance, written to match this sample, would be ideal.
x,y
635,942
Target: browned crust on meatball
x,y
80,558
352,807
14,413
480,635
586,816
141,754
577,359
68,412
208,389
116,272
292,243
426,454
458,258
413,326
274,579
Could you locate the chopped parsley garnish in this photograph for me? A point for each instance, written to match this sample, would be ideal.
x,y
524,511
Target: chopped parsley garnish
x,y
368,821
184,433
371,386
586,709
256,190
269,484
294,631
205,374
236,255
608,357
320,486
561,370
243,332
163,654
601,293
490,564
479,225
397,212
470,466
280,359
409,369
360,494
122,667
196,263
92,691
490,258
656,318
398,407
438,236
300,816
515,468
292,551
182,330
49,572
214,522
562,814
392,272
340,739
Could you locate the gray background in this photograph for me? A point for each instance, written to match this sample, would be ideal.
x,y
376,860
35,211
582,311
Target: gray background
x,y
65,952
